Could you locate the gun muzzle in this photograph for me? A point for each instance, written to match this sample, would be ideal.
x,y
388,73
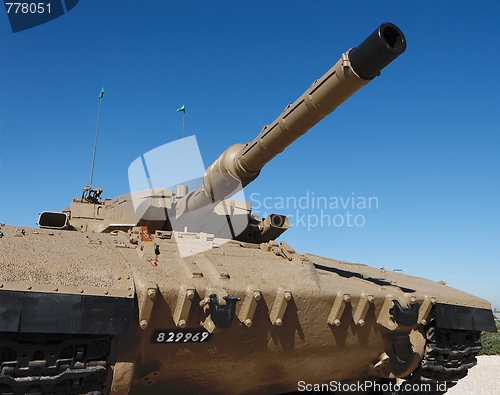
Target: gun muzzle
x,y
379,49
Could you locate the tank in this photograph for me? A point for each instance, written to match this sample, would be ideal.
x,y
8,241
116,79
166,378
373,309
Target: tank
x,y
147,293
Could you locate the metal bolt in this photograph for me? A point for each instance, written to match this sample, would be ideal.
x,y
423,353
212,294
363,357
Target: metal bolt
x,y
423,322
361,322
29,287
288,295
278,322
248,322
336,322
370,298
81,291
151,293
130,294
257,295
106,292
190,294
55,289
182,324
383,359
1,285
143,324
128,277
347,298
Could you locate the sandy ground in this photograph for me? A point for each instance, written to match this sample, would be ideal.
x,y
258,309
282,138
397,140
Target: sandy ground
x,y
483,379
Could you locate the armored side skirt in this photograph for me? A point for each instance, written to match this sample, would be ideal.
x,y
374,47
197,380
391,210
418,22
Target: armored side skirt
x,y
37,312
464,318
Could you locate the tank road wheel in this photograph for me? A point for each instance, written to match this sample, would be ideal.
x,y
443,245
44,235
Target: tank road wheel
x,y
45,364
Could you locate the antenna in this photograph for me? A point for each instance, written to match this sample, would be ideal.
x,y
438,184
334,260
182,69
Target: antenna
x,y
101,95
183,110
181,188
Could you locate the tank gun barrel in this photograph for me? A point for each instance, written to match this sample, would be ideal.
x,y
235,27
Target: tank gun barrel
x,y
241,164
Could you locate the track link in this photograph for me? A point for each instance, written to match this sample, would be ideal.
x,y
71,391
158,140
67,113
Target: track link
x,y
54,364
448,356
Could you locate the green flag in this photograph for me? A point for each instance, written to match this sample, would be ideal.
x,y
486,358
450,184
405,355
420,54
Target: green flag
x,y
183,108
101,95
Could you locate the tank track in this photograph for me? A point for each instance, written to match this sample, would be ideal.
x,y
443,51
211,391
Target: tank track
x,y
56,364
448,355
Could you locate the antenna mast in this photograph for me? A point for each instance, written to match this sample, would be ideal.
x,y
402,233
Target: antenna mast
x,y
183,110
101,95
181,188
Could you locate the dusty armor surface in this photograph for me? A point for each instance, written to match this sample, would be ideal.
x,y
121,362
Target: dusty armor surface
x,y
106,298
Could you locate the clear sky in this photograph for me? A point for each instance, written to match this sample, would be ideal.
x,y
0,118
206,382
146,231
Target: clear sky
x,y
422,140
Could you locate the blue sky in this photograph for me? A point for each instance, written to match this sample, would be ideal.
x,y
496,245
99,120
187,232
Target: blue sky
x,y
422,138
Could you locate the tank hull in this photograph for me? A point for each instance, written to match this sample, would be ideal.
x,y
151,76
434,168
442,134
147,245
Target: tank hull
x,y
299,317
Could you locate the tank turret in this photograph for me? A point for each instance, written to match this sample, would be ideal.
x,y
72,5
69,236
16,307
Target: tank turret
x,y
207,208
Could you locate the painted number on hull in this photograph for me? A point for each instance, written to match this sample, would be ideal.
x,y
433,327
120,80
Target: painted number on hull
x,y
181,336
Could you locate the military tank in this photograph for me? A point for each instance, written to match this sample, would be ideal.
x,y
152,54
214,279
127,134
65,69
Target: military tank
x,y
146,294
